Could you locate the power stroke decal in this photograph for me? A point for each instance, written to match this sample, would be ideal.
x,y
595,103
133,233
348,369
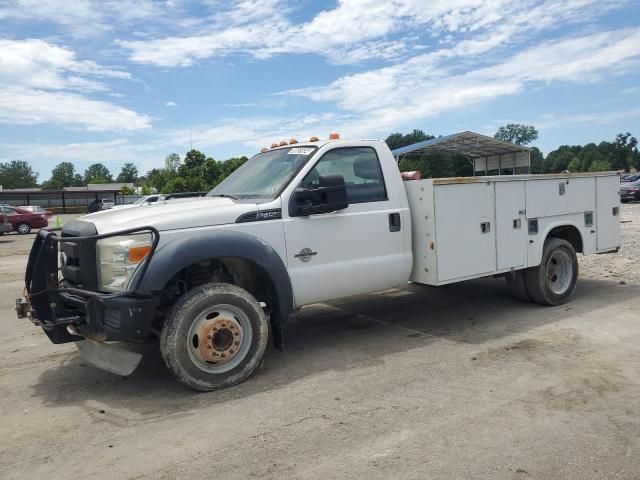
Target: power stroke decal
x,y
260,215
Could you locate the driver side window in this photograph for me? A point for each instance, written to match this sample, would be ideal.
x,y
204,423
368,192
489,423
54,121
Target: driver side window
x,y
360,168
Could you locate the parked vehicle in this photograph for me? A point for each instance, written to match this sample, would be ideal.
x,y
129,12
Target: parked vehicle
x,y
38,209
22,221
5,226
100,204
629,191
212,278
630,178
157,198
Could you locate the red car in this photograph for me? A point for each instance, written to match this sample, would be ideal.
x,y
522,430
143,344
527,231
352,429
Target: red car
x,y
22,221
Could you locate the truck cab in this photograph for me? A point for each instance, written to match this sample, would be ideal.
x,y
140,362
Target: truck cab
x,y
299,223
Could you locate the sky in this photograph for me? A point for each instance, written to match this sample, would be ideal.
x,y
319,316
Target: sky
x,y
117,81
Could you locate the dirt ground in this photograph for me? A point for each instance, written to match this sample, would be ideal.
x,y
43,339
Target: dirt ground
x,y
455,382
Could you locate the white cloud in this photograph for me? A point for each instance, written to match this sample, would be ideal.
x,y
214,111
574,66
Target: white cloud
x,y
430,84
38,64
26,106
549,121
356,30
41,83
85,17
170,104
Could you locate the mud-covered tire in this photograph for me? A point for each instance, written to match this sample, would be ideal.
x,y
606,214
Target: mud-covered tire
x,y
23,228
517,285
206,314
554,280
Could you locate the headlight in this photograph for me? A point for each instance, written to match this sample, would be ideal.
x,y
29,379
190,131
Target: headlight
x,y
118,258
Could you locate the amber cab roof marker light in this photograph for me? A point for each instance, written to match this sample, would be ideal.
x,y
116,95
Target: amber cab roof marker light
x,y
334,136
293,141
265,149
274,145
313,139
283,143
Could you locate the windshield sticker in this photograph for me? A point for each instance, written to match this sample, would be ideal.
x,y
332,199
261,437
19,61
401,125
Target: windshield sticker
x,y
300,151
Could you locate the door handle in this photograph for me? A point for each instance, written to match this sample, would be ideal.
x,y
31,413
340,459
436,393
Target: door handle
x,y
394,222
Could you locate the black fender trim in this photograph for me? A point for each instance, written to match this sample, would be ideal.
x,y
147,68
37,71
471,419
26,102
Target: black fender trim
x,y
178,254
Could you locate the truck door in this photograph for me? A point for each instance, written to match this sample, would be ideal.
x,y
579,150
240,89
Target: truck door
x,y
511,239
355,250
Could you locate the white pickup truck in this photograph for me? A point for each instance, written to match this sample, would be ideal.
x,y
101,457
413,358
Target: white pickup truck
x,y
212,278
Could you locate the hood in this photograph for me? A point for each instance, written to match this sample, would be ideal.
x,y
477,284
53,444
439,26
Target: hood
x,y
170,215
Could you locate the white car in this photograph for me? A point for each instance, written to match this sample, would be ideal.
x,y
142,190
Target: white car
x,y
143,201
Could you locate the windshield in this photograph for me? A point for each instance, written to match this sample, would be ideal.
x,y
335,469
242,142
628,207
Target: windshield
x,y
141,200
265,174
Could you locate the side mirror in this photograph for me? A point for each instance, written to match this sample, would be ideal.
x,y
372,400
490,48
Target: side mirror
x,y
330,195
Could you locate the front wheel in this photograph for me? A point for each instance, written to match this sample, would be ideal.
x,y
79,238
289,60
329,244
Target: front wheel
x,y
23,228
214,336
554,280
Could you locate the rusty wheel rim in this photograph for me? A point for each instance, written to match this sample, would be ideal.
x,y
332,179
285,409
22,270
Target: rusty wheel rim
x,y
219,338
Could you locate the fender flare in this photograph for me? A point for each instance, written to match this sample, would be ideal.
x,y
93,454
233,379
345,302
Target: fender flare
x,y
178,254
545,235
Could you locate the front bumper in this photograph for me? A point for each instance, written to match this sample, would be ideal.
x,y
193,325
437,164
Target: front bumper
x,y
69,314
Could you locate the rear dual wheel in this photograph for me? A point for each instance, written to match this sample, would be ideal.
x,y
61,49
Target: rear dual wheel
x,y
553,281
214,336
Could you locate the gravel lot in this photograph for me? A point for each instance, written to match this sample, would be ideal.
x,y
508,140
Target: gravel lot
x,y
455,382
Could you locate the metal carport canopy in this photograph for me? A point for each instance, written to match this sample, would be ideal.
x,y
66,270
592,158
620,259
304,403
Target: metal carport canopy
x,y
486,153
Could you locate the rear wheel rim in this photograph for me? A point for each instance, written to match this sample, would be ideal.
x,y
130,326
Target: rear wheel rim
x,y
219,338
559,272
23,228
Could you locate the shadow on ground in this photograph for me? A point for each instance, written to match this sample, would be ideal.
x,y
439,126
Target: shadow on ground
x,y
354,332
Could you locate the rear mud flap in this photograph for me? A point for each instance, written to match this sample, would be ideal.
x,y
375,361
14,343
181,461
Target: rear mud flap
x,y
109,357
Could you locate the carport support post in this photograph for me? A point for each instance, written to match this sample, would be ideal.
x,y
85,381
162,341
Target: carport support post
x,y
64,203
513,172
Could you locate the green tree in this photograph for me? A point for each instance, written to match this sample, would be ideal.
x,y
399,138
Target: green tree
x,y
158,178
517,133
575,165
229,166
398,140
17,174
600,166
537,159
193,164
97,173
213,173
128,173
175,185
172,162
63,175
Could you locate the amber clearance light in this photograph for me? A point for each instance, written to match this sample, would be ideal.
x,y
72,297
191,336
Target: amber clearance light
x,y
137,254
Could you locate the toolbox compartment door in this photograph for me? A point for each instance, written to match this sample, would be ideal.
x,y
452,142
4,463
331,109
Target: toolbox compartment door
x,y
511,225
607,213
465,230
